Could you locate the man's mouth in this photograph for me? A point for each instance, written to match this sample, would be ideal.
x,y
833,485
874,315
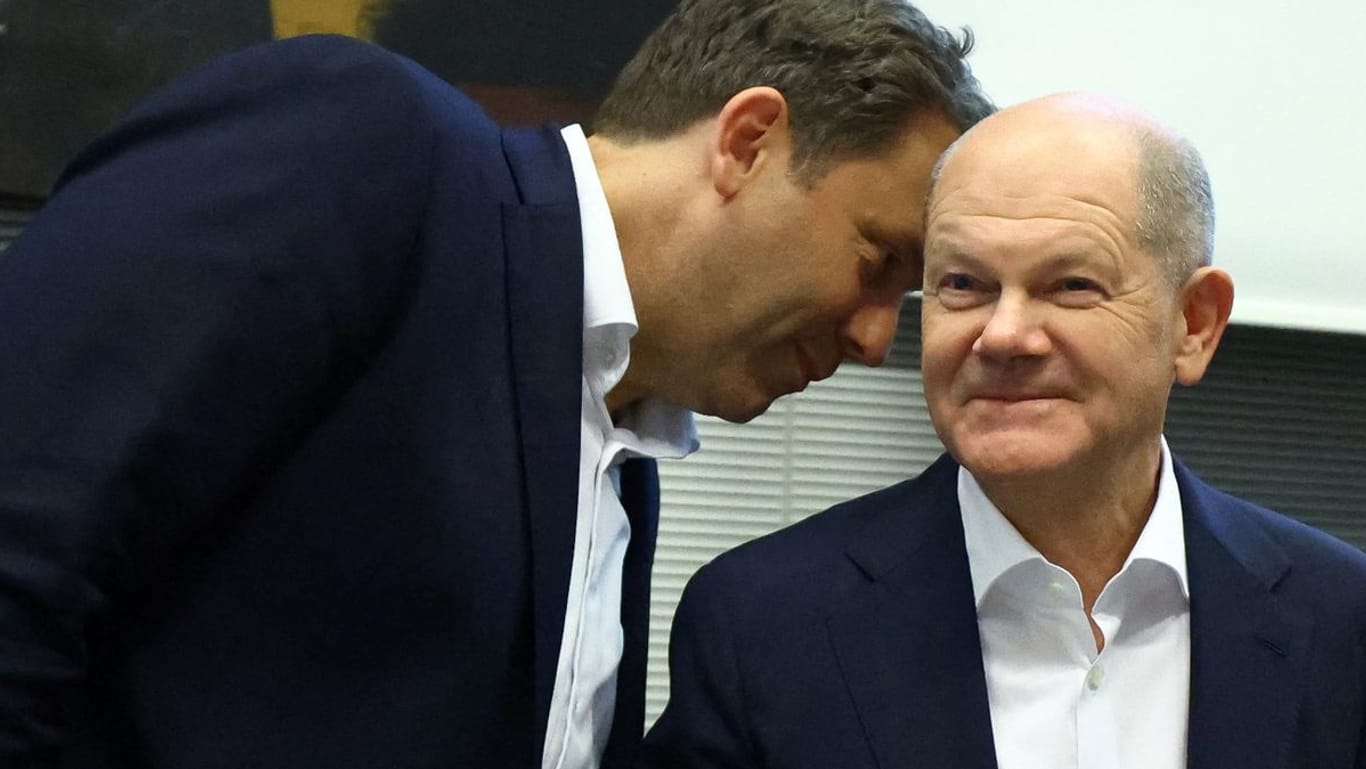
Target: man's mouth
x,y
1011,397
811,371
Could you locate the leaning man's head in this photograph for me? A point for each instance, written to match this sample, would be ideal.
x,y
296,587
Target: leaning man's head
x,y
799,137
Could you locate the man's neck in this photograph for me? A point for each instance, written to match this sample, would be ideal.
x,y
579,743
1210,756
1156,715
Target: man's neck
x,y
649,200
1086,522
623,396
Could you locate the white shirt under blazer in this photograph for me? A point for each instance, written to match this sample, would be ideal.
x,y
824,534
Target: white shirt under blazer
x,y
583,701
1055,702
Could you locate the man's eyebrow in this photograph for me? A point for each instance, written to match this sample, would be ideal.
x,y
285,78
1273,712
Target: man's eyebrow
x,y
946,248
1068,260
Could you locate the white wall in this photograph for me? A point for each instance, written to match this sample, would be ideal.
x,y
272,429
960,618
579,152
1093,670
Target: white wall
x,y
1272,92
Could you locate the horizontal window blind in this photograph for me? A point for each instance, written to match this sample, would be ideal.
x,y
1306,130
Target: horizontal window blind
x,y
11,222
1280,419
856,432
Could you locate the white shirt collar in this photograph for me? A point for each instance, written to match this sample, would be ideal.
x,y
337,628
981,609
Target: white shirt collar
x,y
606,295
994,546
660,428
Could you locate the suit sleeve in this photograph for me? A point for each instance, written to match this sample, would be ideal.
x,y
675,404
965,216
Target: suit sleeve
x,y
1360,762
1361,749
205,283
705,724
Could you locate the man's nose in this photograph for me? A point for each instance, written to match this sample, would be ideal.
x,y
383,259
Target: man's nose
x,y
1013,329
869,331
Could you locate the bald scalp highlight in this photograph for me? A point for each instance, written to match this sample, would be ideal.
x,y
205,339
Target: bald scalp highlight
x,y
1175,220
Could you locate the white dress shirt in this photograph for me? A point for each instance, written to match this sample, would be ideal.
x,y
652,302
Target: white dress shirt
x,y
584,697
1055,702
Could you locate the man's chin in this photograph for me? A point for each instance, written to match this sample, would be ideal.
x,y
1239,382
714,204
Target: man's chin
x,y
740,406
741,414
1005,460
740,397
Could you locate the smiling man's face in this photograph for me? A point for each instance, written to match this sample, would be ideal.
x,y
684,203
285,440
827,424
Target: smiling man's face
x,y
1049,335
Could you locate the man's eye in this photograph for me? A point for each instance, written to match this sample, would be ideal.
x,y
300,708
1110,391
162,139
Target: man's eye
x,y
1080,292
886,267
873,265
895,258
959,291
957,282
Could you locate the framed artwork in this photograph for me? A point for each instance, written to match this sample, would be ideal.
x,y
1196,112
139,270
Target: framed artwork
x,y
70,68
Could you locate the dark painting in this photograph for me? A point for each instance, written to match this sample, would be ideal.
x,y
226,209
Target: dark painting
x,y
70,68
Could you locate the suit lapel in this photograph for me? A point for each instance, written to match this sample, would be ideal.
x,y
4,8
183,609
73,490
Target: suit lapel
x,y
1246,650
908,645
640,498
545,299
910,650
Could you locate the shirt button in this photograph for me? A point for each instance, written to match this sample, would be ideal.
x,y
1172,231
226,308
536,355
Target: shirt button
x,y
1058,591
1095,678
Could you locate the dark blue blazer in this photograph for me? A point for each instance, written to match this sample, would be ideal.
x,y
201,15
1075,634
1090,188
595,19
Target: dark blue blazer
x,y
289,431
850,640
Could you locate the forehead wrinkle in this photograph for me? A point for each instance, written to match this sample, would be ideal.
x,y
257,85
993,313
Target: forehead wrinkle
x,y
961,232
1066,258
1082,212
974,203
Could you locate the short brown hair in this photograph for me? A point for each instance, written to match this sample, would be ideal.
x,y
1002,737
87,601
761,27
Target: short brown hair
x,y
854,73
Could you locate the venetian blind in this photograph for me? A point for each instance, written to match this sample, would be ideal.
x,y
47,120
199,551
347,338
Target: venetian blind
x,y
11,221
860,430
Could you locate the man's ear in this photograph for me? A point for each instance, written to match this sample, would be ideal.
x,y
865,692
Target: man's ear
x,y
1206,301
751,131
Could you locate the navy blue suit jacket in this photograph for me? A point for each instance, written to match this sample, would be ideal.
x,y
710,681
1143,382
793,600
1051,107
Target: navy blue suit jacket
x,y
850,640
289,431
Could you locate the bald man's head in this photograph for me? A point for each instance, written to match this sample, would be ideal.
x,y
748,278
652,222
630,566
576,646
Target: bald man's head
x,y
1062,296
1067,138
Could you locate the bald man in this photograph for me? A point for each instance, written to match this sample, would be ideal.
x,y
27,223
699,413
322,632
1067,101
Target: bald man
x,y
1058,591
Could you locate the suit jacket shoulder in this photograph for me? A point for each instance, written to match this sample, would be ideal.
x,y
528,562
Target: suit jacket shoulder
x,y
1298,562
848,639
1278,663
810,550
261,472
